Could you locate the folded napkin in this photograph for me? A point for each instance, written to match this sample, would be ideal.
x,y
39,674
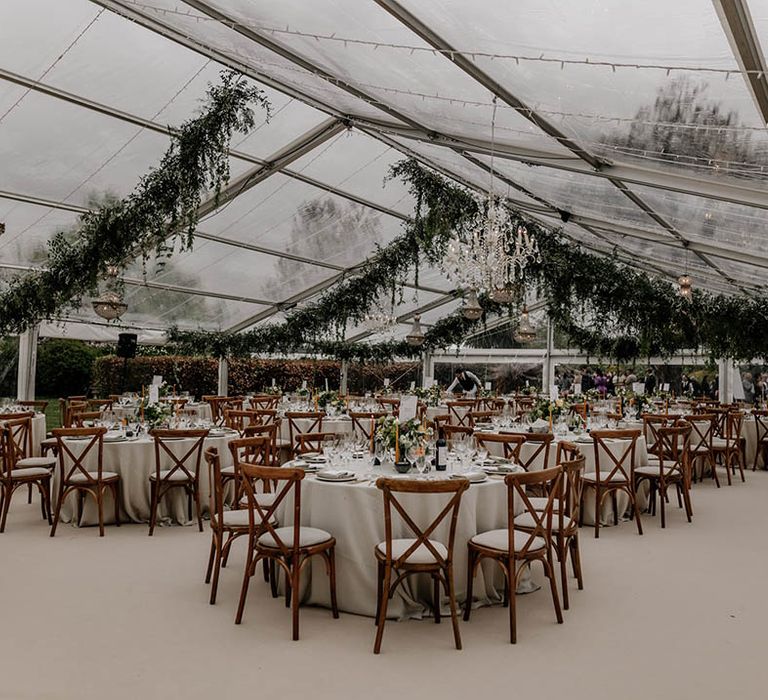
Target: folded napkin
x,y
335,473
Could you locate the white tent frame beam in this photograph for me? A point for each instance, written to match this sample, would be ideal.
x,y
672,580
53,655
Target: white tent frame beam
x,y
736,21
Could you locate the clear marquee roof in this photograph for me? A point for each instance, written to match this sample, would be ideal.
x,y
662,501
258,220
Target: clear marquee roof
x,y
646,122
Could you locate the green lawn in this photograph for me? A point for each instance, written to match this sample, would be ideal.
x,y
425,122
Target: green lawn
x,y
52,412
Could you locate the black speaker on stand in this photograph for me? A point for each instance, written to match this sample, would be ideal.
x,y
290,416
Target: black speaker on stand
x,y
126,348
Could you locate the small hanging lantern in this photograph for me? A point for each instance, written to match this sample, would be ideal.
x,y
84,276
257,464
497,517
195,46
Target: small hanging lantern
x,y
110,304
416,336
525,332
471,309
686,287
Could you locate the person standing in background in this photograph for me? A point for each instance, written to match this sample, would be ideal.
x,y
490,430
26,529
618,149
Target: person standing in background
x,y
650,381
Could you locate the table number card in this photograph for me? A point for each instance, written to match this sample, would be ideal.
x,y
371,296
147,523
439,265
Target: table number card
x,y
665,387
638,387
577,389
554,393
487,386
413,385
407,408
157,380
154,393
386,382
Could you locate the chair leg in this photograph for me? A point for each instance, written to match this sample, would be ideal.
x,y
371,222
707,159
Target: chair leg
x,y
436,598
57,513
511,595
29,492
332,581
116,496
6,504
663,499
576,559
295,574
383,608
196,492
273,574
246,581
687,502
633,502
216,568
154,498
45,495
211,557
562,554
265,569
452,602
100,506
379,588
598,503
471,563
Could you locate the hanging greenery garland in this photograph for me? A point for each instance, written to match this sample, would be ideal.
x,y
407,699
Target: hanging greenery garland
x,y
157,217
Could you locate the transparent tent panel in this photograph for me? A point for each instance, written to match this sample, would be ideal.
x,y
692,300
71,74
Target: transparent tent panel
x,y
359,164
28,228
614,111
286,215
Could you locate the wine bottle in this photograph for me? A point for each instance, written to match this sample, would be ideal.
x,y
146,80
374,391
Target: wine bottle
x,y
441,452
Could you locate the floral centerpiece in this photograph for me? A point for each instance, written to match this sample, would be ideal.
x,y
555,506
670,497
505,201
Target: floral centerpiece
x,y
330,399
392,434
274,390
636,404
155,414
303,392
431,396
544,408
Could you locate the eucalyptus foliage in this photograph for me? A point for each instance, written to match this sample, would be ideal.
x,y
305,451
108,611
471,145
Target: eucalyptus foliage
x,y
160,215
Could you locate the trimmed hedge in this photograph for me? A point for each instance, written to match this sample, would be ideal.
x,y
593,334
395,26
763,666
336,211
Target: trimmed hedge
x,y
199,375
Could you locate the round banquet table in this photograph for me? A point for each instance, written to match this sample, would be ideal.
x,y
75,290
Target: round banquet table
x,y
134,461
586,447
749,433
353,512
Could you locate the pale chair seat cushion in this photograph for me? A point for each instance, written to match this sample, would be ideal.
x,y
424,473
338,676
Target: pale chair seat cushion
x,y
30,473
49,442
45,462
282,442
239,518
80,478
178,475
228,471
701,450
421,555
263,499
308,537
721,443
499,539
526,520
617,478
655,470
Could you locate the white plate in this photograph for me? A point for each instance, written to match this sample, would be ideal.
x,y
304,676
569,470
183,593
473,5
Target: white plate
x,y
472,477
317,459
336,481
114,438
503,469
335,475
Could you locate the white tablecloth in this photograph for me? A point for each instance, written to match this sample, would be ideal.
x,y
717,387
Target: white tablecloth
x,y
340,426
134,461
354,514
38,433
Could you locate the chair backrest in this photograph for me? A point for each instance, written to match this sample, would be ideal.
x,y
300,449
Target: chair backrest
x,y
220,403
79,418
510,444
519,487
260,516
573,470
238,420
567,452
651,424
480,417
389,405
39,406
313,442
188,466
95,445
459,411
614,468
761,425
702,430
491,403
99,404
266,402
537,457
216,501
267,430
67,407
262,416
16,441
390,489
364,422
441,421
311,422
453,432
674,448
733,423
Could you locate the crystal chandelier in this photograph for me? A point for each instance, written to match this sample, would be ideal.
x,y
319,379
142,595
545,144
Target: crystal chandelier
x,y
471,309
525,332
378,320
496,250
110,304
416,335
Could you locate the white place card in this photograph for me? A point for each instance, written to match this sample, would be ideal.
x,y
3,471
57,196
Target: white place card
x,y
157,380
487,386
577,389
638,387
665,387
386,382
554,393
304,384
413,385
154,393
407,408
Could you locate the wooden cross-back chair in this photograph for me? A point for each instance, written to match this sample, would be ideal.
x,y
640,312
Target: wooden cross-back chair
x,y
80,418
314,442
459,412
263,416
761,433
515,548
672,470
287,548
254,449
311,422
510,444
238,420
538,456
419,553
491,403
184,472
476,417
441,421
364,422
226,525
728,448
39,406
269,431
18,469
613,474
702,436
219,403
99,404
651,424
67,408
264,402
78,479
456,432
389,405
565,518
567,452
523,405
